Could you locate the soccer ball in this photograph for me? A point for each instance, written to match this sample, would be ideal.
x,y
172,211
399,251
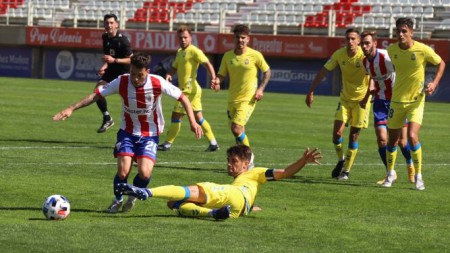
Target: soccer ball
x,y
56,207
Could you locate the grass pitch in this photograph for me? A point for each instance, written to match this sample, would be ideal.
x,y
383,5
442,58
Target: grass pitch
x,y
308,213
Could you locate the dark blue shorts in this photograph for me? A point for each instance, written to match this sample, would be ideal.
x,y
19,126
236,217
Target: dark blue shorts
x,y
136,146
380,111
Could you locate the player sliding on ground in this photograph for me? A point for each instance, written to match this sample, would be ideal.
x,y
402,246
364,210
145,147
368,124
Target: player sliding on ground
x,y
222,201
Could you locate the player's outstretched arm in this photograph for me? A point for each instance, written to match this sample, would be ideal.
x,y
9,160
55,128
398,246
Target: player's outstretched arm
x,y
195,127
309,156
64,114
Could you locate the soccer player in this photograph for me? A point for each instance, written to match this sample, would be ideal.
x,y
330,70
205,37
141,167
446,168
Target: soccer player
x,y
142,122
408,95
379,66
185,66
241,65
116,60
352,107
222,201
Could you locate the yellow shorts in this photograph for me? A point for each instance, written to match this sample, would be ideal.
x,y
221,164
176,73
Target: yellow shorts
x,y
353,114
398,112
195,99
239,113
219,195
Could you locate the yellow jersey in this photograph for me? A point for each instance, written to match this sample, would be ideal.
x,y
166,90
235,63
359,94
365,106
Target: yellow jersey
x,y
355,80
186,62
242,71
249,182
410,71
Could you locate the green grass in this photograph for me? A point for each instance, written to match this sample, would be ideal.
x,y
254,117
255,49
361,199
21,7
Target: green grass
x,y
309,213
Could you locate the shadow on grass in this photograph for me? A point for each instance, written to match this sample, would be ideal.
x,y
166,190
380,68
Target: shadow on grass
x,y
56,142
330,181
190,168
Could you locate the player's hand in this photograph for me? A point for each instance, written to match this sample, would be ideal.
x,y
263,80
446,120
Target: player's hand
x,y
108,58
101,72
197,129
312,156
63,115
430,88
169,78
215,84
259,95
309,99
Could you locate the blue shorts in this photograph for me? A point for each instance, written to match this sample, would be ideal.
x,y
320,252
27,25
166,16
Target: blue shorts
x,y
380,111
136,146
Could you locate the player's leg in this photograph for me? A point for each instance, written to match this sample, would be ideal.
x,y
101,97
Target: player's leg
x,y
341,118
145,154
338,129
391,155
124,152
207,131
406,151
239,114
416,153
103,107
124,165
415,117
197,107
380,115
174,129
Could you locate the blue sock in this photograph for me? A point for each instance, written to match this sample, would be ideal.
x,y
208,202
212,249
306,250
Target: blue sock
x,y
382,152
407,154
141,183
116,181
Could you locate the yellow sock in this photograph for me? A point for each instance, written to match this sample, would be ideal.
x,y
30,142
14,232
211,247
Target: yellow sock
x,y
173,131
193,210
339,151
350,158
243,139
207,131
170,192
417,159
391,157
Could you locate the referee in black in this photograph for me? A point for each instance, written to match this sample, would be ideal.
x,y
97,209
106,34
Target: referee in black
x,y
116,59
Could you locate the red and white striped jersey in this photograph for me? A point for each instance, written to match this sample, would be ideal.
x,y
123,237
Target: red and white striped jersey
x,y
141,107
382,71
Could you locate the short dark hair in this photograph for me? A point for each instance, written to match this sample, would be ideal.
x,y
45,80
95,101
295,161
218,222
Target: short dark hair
x,y
351,30
240,150
241,29
404,21
108,16
184,28
369,33
141,60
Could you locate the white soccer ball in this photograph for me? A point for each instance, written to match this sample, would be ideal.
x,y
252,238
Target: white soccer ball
x,y
56,207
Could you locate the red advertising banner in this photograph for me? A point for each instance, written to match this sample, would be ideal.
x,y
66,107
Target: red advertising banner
x,y
284,46
213,43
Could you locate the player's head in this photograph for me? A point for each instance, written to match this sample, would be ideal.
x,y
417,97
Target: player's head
x,y
110,23
404,29
184,34
241,36
369,43
238,157
139,68
352,39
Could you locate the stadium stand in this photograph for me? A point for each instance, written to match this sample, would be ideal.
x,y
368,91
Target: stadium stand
x,y
264,16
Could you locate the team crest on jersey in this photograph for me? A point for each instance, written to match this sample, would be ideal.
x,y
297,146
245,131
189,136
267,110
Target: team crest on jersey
x,y
358,64
247,61
112,52
413,57
343,63
395,56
